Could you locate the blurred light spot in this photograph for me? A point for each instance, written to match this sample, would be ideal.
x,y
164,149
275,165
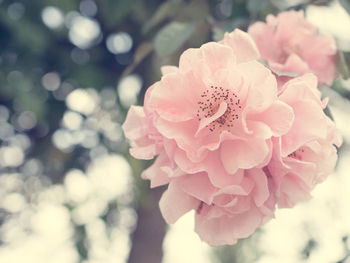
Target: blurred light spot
x,y
27,120
83,31
332,19
90,139
62,92
98,151
14,77
52,17
72,120
13,202
127,217
121,245
20,140
114,133
96,232
110,175
63,140
128,90
11,156
6,130
89,210
77,186
52,222
79,56
51,81
119,43
81,101
4,113
68,20
52,194
88,7
11,182
32,167
16,10
182,244
92,123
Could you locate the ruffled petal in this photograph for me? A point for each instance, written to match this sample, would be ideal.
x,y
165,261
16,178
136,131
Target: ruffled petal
x,y
198,186
159,172
175,202
226,230
242,45
243,154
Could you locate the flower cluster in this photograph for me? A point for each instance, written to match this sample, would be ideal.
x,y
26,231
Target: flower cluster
x,y
230,142
300,50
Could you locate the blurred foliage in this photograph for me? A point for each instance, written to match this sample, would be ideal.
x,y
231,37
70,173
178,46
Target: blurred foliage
x,y
159,31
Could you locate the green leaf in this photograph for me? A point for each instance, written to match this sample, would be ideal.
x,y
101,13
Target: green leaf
x,y
345,4
342,66
165,10
284,74
171,37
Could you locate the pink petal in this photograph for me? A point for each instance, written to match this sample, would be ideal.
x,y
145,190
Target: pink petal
x,y
242,44
243,154
158,173
172,99
146,152
309,124
278,117
189,59
262,85
292,190
226,230
133,126
169,69
217,56
175,202
198,186
261,191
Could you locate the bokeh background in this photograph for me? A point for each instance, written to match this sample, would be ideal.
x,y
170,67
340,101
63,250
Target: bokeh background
x,y
69,190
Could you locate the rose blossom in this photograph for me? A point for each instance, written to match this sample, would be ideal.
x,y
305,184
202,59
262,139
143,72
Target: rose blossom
x,y
221,131
290,43
305,155
219,108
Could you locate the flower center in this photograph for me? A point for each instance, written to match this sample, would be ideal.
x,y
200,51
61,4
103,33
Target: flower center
x,y
218,108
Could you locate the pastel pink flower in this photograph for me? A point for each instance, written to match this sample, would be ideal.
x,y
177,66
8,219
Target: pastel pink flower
x,y
223,215
306,155
225,139
220,108
289,43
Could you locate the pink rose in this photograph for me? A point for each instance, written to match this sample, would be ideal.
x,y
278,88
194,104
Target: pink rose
x,y
223,214
290,43
225,140
220,108
305,155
